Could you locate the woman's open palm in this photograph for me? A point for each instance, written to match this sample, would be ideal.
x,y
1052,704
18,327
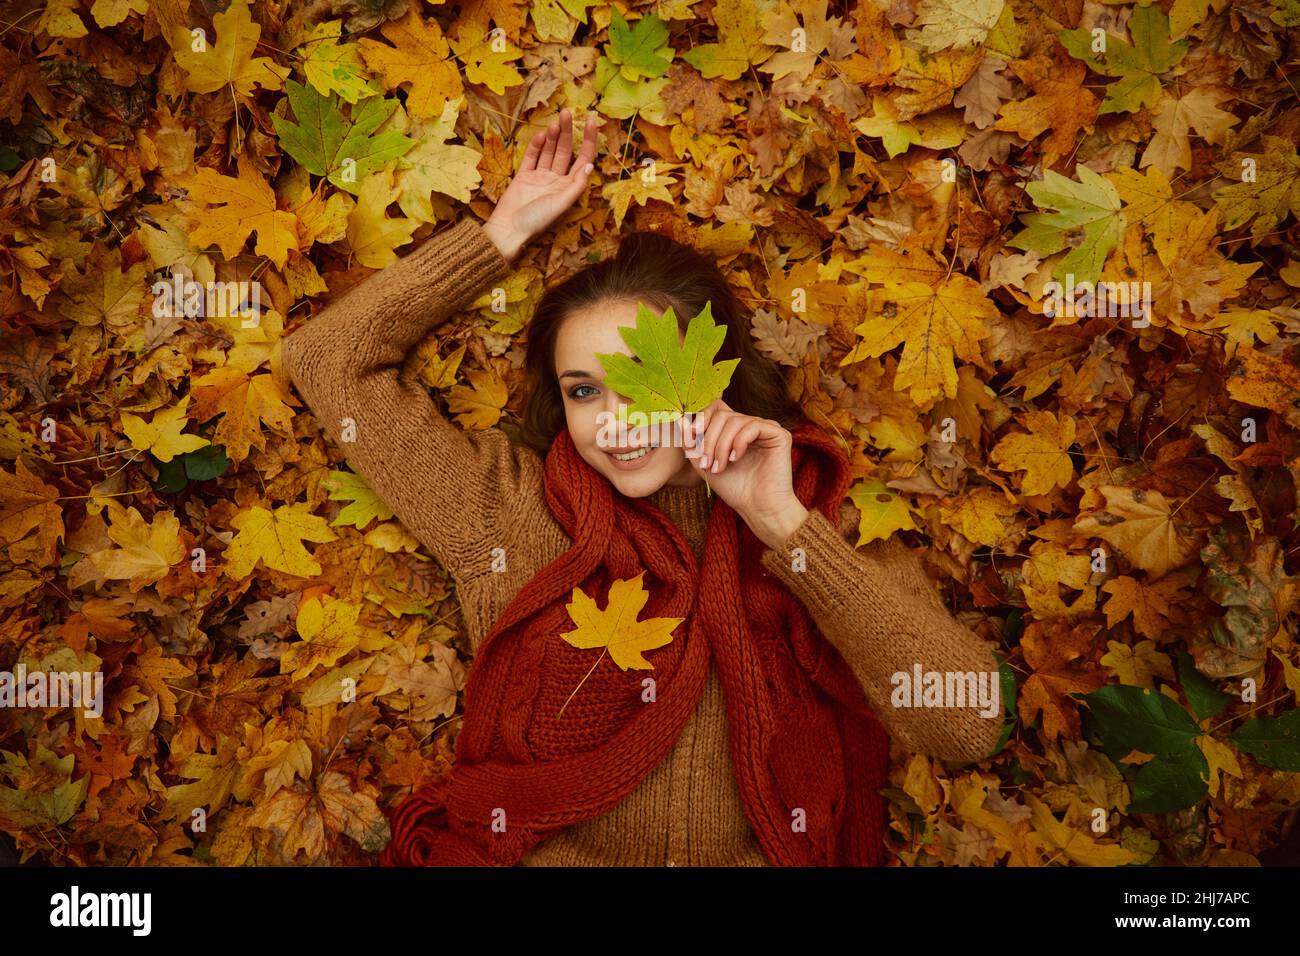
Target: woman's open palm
x,y
549,180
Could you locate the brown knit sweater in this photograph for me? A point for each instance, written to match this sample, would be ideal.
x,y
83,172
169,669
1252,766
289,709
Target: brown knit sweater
x,y
466,494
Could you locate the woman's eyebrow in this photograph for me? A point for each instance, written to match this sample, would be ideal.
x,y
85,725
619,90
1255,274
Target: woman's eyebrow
x,y
577,373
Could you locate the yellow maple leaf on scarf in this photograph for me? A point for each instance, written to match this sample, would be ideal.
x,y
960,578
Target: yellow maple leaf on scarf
x,y
616,628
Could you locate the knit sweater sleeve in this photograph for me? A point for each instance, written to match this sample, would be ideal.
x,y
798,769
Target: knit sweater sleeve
x,y
878,608
453,489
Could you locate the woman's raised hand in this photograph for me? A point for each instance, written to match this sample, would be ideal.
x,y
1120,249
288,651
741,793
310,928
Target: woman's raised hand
x,y
549,181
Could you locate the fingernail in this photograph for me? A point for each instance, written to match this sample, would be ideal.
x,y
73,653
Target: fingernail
x,y
704,461
715,466
732,456
588,168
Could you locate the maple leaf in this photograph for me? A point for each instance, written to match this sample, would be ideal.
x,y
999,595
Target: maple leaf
x,y
162,435
146,550
484,58
616,627
1138,65
366,505
1198,108
1074,841
1042,453
881,511
333,66
1268,187
230,61
27,502
231,208
274,538
1060,103
1141,524
419,57
955,23
479,405
935,324
436,165
342,149
1060,656
666,374
301,818
214,777
328,630
244,403
371,234
740,35
1151,605
1088,221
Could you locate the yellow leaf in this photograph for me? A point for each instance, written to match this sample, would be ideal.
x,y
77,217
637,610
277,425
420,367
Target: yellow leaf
x,y
480,406
1150,604
934,324
229,62
882,511
435,165
419,56
275,538
109,13
244,404
328,631
1137,665
1141,524
231,208
1221,758
982,515
1074,841
372,235
162,436
147,550
1041,453
920,785
60,20
484,63
955,23
616,627
640,187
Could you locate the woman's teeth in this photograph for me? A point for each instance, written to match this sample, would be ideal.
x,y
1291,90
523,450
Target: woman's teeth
x,y
633,454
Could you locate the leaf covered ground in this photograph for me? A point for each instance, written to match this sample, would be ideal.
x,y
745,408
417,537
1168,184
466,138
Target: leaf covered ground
x,y
1035,261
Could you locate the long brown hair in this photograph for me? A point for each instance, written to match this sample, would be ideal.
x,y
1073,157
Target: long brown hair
x,y
662,273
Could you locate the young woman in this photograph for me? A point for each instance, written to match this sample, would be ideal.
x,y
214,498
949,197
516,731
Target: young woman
x,y
754,736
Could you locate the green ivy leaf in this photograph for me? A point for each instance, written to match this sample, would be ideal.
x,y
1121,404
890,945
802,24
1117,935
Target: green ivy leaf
x,y
1272,741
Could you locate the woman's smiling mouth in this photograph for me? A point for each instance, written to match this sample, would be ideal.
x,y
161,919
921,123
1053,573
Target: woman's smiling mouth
x,y
632,460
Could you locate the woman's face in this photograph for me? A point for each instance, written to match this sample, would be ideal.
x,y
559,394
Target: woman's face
x,y
590,407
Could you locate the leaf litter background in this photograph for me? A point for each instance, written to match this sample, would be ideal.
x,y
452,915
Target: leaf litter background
x,y
804,145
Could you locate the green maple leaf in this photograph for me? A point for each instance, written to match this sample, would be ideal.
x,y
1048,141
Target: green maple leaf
x,y
630,76
641,50
1088,220
668,376
322,139
365,506
1138,65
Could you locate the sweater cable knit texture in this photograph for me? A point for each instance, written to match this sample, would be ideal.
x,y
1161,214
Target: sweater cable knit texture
x,y
465,494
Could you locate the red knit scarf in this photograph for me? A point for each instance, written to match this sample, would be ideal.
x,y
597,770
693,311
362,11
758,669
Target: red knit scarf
x,y
802,735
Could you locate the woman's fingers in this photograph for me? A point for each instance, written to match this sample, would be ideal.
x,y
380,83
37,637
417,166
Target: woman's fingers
x,y
588,151
534,152
742,442
564,143
723,445
547,157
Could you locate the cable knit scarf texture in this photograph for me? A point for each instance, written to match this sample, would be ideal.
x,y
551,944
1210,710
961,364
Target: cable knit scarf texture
x,y
810,756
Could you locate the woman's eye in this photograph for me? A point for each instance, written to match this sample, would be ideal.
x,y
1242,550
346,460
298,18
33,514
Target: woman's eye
x,y
574,392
